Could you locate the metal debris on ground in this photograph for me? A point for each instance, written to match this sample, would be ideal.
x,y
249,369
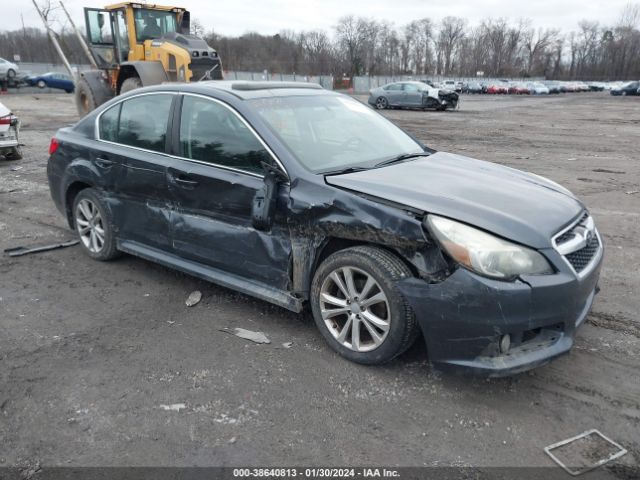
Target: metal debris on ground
x,y
584,452
193,298
18,251
287,344
257,337
174,407
632,192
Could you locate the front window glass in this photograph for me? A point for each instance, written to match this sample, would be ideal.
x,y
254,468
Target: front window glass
x,y
152,24
212,133
333,132
143,122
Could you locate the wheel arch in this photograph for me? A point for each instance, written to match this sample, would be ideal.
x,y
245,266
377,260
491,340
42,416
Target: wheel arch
x,y
303,271
149,73
70,195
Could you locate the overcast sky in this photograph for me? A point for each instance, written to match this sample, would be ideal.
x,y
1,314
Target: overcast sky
x,y
271,16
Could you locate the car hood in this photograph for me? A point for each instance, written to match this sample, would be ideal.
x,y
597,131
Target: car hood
x,y
516,205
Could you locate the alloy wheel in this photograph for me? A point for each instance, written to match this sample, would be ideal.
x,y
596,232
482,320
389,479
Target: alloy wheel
x,y
90,225
382,103
355,309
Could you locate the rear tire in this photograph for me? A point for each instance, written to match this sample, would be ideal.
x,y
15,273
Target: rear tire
x,y
382,103
85,99
94,226
41,84
386,327
130,83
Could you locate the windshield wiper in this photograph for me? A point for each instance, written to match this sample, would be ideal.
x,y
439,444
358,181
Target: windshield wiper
x,y
345,170
401,158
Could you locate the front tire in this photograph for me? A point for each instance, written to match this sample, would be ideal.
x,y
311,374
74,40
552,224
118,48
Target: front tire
x,y
358,308
130,83
41,84
11,73
93,226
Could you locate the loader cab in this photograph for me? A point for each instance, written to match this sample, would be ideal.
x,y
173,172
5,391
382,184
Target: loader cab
x,y
118,32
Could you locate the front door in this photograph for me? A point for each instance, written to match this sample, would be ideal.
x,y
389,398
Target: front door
x,y
213,184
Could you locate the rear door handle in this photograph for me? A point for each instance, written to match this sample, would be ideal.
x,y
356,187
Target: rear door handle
x,y
103,162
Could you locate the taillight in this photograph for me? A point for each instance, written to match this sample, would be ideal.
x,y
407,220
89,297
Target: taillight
x,y
53,146
5,120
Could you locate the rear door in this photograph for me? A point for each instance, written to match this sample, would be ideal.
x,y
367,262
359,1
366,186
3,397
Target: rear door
x,y
394,94
213,184
133,154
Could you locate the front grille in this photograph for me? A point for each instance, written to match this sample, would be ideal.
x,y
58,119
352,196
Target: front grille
x,y
568,235
200,66
581,258
580,244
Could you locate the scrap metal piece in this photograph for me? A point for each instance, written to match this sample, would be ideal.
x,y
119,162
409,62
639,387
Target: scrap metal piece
x,y
19,251
621,451
193,298
257,337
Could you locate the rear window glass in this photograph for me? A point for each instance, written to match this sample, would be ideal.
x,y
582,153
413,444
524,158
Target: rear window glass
x,y
143,122
109,124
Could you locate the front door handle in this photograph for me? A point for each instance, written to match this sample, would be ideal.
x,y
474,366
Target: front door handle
x,y
185,182
182,180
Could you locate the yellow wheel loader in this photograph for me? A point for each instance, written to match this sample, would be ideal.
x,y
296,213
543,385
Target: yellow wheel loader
x,y
136,45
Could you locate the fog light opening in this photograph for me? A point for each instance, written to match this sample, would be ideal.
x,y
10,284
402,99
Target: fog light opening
x,y
505,343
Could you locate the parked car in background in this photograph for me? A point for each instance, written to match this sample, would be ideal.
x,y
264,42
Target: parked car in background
x,y
61,81
304,197
411,94
452,85
553,86
8,69
9,134
629,88
596,86
537,88
474,87
498,88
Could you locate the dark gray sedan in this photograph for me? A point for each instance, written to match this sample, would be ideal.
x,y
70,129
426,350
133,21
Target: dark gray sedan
x,y
410,94
311,200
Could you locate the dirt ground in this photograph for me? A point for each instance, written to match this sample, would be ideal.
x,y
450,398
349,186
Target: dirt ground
x,y
90,351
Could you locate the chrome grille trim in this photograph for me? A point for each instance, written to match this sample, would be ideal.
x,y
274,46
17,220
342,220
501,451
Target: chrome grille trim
x,y
579,239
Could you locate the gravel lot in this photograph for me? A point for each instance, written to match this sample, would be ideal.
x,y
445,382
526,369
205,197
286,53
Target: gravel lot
x,y
90,351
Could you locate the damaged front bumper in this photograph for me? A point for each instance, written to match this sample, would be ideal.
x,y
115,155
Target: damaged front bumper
x,y
465,317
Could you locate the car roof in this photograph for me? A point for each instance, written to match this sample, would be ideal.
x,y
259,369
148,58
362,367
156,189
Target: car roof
x,y
244,89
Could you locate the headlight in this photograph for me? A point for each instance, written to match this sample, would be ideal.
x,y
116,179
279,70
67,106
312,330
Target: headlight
x,y
485,254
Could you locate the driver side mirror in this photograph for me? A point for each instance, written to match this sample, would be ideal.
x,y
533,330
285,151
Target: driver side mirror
x,y
264,202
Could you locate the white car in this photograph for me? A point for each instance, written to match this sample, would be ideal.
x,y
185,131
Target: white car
x,y
537,88
8,69
9,133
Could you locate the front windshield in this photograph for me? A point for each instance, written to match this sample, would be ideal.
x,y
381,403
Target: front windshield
x,y
152,24
333,132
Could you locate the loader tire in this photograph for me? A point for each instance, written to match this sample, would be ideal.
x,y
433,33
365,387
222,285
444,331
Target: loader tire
x,y
85,98
130,83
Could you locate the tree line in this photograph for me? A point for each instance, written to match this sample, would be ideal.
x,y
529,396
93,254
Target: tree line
x,y
363,46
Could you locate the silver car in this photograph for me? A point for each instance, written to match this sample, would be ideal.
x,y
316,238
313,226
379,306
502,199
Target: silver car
x,y
411,94
9,132
8,69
